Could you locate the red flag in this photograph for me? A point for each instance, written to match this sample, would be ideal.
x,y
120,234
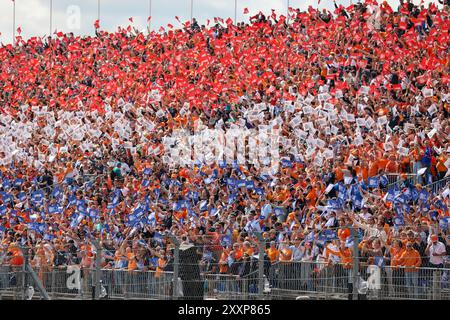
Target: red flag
x,y
404,9
402,25
19,30
229,21
149,18
445,79
246,11
97,24
170,26
131,19
273,15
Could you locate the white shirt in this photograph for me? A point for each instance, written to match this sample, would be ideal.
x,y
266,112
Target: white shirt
x,y
297,253
330,222
334,259
439,247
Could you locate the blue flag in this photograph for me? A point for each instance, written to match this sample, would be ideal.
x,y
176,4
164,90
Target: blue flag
x,y
22,196
443,223
384,181
54,208
259,191
232,198
390,195
286,163
222,164
399,221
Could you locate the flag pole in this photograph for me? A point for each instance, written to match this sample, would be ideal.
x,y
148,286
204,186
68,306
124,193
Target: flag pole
x,y
287,12
51,17
235,11
192,8
14,22
98,10
149,15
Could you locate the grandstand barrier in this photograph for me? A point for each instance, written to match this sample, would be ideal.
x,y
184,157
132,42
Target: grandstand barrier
x,y
282,280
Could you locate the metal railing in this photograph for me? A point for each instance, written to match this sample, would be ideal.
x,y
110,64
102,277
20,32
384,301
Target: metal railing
x,y
318,280
203,271
282,280
413,179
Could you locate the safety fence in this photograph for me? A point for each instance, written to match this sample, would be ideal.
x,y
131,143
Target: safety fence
x,y
335,281
287,280
413,179
210,270
395,178
436,186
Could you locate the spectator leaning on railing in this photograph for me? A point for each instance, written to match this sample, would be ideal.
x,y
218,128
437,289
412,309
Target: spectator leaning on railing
x,y
411,261
436,251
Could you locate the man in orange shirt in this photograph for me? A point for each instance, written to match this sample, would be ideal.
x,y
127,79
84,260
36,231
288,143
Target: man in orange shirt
x,y
16,255
392,165
411,260
382,162
311,197
223,261
273,254
373,166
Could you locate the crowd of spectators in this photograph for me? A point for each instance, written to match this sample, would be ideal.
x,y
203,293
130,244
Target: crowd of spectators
x,y
360,95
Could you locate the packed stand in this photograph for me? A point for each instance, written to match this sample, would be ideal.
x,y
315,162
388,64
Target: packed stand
x,y
360,96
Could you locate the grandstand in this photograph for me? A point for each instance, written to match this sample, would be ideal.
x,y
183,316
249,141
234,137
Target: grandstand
x,y
297,155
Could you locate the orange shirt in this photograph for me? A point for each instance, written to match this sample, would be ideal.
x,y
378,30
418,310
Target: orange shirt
x,y
395,256
373,169
409,259
281,195
159,268
239,254
363,171
382,163
17,259
345,255
249,251
311,197
290,217
416,154
392,167
273,254
132,265
223,262
440,164
339,174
